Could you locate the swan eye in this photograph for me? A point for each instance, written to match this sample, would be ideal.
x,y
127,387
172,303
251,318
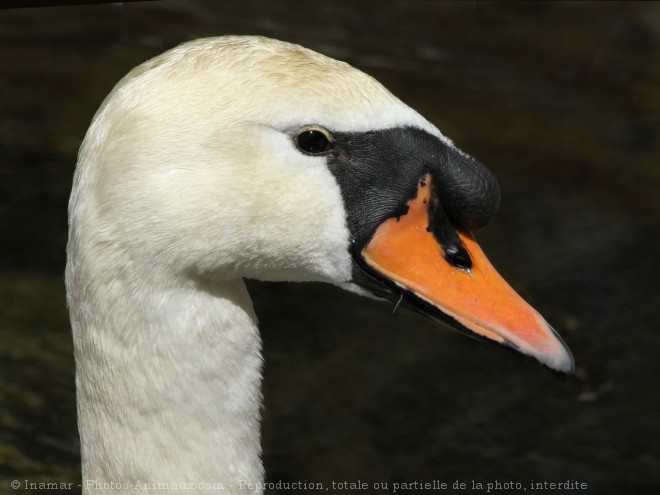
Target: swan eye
x,y
314,140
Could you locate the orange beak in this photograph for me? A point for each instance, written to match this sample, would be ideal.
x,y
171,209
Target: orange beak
x,y
405,251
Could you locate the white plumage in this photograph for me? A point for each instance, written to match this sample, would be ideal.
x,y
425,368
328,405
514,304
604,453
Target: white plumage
x,y
187,182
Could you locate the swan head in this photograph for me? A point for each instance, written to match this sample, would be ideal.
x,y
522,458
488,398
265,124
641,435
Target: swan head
x,y
245,157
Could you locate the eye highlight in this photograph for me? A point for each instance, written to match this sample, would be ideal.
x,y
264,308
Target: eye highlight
x,y
313,140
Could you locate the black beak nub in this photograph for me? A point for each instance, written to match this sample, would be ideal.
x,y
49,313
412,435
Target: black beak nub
x,y
469,191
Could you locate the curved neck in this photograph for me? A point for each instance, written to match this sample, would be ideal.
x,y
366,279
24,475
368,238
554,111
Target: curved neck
x,y
168,386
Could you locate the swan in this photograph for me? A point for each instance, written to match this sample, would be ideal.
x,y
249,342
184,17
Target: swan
x,y
244,157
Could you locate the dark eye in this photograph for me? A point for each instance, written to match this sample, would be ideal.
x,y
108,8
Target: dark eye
x,y
315,140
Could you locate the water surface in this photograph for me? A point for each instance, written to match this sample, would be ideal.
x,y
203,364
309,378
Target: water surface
x,y
560,100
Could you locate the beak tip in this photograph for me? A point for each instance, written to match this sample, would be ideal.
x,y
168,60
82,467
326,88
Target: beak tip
x,y
564,364
560,358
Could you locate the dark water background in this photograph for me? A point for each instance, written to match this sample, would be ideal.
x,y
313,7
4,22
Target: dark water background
x,y
560,100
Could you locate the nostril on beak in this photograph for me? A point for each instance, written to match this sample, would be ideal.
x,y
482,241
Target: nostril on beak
x,y
457,256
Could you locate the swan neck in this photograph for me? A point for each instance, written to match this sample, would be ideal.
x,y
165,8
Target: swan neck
x,y
168,385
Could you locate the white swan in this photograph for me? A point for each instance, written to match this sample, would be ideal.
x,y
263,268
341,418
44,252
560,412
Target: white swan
x,y
241,157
